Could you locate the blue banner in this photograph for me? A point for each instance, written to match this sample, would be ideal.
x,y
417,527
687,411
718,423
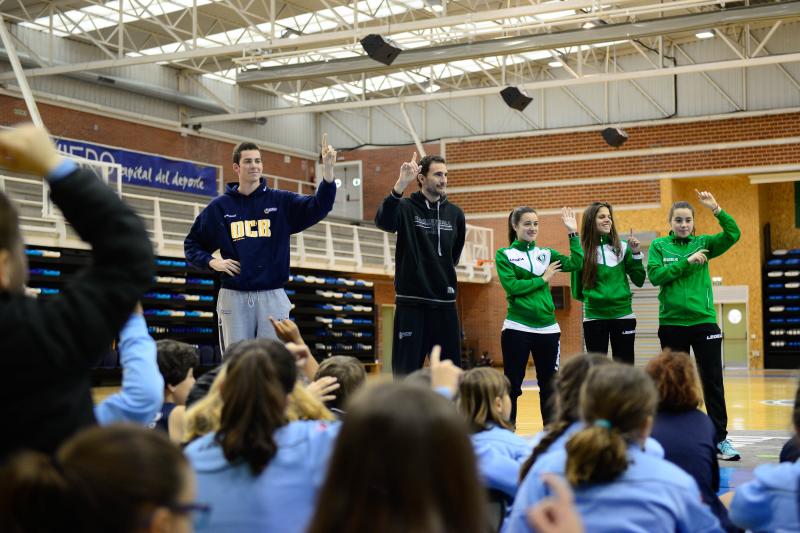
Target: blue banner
x,y
148,170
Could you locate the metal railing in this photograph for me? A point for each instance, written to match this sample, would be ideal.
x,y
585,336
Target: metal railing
x,y
327,245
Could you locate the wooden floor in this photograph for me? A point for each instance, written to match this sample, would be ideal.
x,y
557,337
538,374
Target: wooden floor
x,y
757,400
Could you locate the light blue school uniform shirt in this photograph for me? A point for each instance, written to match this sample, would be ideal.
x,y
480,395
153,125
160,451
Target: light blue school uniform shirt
x,y
282,498
651,496
142,391
651,446
500,454
768,502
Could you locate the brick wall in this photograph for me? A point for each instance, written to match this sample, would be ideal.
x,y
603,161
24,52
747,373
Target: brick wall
x,y
689,133
101,129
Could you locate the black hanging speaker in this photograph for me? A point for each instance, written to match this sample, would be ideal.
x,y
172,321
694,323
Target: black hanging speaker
x,y
515,99
379,50
614,136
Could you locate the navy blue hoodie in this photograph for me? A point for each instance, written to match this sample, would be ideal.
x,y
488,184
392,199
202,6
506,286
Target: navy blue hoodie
x,y
255,230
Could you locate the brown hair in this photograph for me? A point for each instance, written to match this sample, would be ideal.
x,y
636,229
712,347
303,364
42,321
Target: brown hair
x,y
616,401
676,380
104,479
349,373
416,468
10,236
175,359
513,219
567,387
253,404
590,240
241,147
477,391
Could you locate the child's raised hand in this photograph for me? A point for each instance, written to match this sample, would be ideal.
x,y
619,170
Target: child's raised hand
x,y
443,373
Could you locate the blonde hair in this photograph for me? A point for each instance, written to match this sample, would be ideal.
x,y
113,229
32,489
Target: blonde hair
x,y
476,398
204,415
303,405
615,402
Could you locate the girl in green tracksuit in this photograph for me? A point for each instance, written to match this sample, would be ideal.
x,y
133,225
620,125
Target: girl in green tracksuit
x,y
602,284
525,270
678,264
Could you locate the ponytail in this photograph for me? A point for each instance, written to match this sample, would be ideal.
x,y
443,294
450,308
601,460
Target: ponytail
x,y
555,430
253,405
596,455
513,219
616,402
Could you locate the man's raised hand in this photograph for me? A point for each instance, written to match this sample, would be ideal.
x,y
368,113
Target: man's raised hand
x,y
408,173
28,149
328,159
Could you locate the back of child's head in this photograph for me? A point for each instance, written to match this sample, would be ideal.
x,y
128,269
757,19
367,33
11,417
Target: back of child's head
x,y
567,385
676,380
416,468
283,362
420,378
103,479
349,373
254,402
478,392
616,402
175,359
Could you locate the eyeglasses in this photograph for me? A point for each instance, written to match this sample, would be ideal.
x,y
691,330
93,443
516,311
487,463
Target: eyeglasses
x,y
200,512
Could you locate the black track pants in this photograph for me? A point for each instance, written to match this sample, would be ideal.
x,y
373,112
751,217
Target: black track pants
x,y
417,328
706,341
621,332
517,347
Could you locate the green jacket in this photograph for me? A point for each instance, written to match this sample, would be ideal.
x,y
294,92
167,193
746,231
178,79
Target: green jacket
x,y
611,295
685,298
520,268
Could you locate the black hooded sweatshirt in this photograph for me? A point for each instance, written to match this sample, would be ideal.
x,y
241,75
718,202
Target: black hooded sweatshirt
x,y
430,237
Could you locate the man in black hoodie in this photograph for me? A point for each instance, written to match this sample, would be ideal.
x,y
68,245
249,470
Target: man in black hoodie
x,y
430,237
48,347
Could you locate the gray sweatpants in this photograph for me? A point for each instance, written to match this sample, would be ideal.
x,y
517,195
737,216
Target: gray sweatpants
x,y
245,314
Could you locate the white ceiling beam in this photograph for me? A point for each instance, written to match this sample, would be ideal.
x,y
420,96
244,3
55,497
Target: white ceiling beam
x,y
711,82
483,91
320,39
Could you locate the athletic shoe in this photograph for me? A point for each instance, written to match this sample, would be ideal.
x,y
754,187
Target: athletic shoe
x,y
727,452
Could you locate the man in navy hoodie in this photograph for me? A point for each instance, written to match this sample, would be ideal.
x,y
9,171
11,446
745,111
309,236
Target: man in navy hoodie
x,y
430,238
250,225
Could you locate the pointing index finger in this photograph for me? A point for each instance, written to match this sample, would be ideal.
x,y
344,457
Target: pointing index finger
x,y
324,141
414,158
436,355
